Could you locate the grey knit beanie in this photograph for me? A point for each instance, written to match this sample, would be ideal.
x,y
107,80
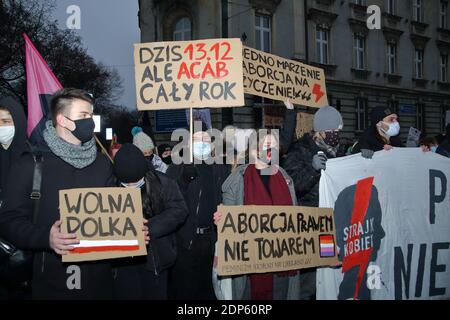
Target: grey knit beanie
x,y
327,118
141,140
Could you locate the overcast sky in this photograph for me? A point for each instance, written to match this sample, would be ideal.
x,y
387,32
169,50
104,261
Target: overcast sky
x,y
109,28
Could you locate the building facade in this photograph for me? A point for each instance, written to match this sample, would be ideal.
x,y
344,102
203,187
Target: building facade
x,y
404,64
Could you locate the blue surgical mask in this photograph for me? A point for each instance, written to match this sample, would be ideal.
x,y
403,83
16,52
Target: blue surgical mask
x,y
394,129
202,150
136,185
434,148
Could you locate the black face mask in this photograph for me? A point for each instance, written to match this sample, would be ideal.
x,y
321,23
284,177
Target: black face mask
x,y
150,158
84,129
332,138
167,160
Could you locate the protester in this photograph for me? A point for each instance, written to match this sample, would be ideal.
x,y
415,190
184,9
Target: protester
x,y
428,144
444,146
145,143
381,135
304,163
13,145
164,208
259,183
165,151
200,185
72,162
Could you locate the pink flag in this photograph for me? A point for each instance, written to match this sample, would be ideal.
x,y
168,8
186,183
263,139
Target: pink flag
x,y
41,84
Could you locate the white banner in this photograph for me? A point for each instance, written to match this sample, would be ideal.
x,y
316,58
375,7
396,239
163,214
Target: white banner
x,y
392,216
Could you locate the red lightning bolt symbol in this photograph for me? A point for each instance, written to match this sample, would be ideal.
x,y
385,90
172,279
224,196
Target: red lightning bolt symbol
x,y
360,205
318,92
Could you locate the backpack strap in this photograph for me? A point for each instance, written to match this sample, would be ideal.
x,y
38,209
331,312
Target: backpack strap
x,y
37,181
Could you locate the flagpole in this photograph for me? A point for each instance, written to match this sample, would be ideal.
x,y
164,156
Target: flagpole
x,y
103,149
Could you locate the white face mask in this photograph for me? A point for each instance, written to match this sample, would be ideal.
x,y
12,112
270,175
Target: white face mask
x,y
394,129
7,134
136,185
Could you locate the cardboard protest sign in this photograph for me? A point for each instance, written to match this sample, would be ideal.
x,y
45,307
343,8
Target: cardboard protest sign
x,y
260,239
182,74
270,76
304,124
107,221
413,138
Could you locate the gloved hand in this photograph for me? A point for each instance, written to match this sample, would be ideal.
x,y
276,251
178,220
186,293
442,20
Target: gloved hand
x,y
367,153
319,162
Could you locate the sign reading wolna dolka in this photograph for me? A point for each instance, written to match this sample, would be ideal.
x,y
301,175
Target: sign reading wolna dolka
x,y
107,221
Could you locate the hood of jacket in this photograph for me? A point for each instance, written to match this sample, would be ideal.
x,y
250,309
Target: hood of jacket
x,y
20,137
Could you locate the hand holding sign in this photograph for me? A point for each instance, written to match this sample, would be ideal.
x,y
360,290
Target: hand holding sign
x,y
61,242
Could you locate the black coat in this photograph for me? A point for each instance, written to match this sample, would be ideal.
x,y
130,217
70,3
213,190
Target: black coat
x,y
134,277
192,185
18,145
370,140
163,222
49,273
298,164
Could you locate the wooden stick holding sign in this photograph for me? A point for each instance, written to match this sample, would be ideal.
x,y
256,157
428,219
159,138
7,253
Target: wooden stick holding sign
x,y
107,221
261,239
191,136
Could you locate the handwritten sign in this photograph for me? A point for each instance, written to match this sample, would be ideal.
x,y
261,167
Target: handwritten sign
x,y
180,74
107,221
260,239
270,76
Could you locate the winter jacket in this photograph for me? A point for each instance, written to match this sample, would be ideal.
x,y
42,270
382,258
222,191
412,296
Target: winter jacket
x,y
169,216
50,275
192,186
298,164
163,221
238,287
18,144
369,140
444,146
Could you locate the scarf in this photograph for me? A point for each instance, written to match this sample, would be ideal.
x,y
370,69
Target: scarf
x,y
255,193
77,156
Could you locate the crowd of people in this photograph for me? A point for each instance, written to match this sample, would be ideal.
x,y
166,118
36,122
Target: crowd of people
x,y
179,201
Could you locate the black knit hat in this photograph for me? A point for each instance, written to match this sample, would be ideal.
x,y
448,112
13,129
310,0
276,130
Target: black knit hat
x,y
130,164
379,113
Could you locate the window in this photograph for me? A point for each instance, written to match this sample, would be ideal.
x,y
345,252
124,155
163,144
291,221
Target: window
x,y
444,68
443,15
322,36
263,33
359,52
417,10
420,117
392,58
391,7
360,2
361,114
444,109
182,30
418,63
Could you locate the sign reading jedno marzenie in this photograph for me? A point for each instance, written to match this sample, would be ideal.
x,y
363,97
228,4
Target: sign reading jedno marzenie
x,y
270,76
180,74
260,239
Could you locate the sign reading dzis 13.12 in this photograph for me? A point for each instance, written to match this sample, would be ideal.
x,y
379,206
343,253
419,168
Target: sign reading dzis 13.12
x,y
180,74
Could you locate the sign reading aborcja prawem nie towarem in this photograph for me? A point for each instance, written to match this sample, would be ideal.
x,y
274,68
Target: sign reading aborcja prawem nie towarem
x,y
182,74
270,76
107,221
260,239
